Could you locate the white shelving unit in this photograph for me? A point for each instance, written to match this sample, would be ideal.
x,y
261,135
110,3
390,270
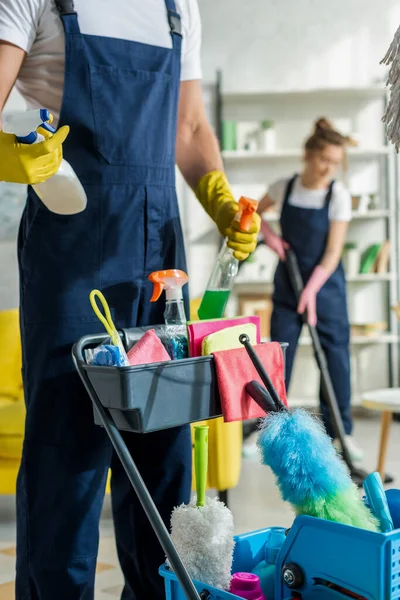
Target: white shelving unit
x,y
372,169
233,156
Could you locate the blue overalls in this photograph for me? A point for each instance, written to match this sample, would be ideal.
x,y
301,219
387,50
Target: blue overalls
x,y
306,231
120,100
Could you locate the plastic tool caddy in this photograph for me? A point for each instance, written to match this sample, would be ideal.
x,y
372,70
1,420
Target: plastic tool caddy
x,y
320,560
150,397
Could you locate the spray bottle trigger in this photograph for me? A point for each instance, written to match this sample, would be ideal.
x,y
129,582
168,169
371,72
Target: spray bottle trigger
x,y
247,208
157,291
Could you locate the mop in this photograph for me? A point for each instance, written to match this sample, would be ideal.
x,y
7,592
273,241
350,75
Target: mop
x,y
358,475
309,472
391,118
203,530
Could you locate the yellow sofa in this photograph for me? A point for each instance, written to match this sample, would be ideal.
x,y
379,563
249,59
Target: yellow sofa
x,y
12,405
12,408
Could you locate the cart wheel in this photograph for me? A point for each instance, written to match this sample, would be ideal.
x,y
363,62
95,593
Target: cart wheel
x,y
204,595
292,576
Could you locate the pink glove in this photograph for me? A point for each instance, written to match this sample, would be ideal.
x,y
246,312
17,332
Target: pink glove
x,y
273,240
308,298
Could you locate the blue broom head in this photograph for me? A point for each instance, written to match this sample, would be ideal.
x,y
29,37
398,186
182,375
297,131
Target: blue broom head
x,y
302,457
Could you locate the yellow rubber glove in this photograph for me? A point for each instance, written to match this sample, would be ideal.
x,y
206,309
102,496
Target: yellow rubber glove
x,y
216,197
30,163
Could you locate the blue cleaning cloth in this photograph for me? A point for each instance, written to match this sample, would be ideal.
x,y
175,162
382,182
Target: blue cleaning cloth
x,y
108,355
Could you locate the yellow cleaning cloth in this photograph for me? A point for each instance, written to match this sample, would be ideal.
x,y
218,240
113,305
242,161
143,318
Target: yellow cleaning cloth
x,y
228,338
225,439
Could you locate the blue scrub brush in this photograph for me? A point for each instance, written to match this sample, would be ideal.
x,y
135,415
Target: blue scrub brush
x,y
309,472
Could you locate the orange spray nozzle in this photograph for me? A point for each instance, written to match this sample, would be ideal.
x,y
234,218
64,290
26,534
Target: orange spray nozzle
x,y
171,280
247,208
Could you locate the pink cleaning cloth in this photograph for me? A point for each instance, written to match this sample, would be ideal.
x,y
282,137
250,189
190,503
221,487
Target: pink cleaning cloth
x,y
149,349
198,330
235,370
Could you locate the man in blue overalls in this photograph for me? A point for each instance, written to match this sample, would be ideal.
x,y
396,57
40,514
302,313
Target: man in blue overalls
x,y
126,107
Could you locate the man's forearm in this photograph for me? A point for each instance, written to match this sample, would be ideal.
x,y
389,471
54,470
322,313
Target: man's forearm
x,y
197,152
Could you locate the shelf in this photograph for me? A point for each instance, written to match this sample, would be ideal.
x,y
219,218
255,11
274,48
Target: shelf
x,y
313,401
362,340
370,92
362,278
298,104
355,215
356,340
250,155
371,277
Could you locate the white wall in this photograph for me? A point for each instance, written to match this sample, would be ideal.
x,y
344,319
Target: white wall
x,y
295,44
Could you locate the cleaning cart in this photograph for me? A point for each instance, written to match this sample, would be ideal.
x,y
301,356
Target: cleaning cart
x,y
134,399
353,564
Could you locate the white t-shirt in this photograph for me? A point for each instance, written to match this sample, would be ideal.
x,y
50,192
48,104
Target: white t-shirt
x,y
36,27
339,206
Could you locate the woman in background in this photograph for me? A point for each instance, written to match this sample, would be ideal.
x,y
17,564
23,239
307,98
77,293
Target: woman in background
x,y
315,212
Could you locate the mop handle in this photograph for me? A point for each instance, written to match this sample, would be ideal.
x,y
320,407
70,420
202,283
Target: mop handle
x,y
326,381
245,341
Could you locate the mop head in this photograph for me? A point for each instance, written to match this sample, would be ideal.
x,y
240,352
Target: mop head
x,y
310,474
203,537
392,115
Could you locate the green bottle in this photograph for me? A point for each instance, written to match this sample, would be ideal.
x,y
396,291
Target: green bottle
x,y
224,273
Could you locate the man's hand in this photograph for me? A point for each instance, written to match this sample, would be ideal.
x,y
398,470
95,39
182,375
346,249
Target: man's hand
x,y
200,162
215,196
30,163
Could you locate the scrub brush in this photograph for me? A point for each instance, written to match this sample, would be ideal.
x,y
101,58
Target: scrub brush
x,y
203,531
309,472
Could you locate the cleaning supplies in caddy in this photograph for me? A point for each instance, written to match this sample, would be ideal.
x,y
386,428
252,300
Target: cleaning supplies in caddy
x,y
266,569
112,352
226,267
203,531
198,330
63,193
247,585
172,281
149,349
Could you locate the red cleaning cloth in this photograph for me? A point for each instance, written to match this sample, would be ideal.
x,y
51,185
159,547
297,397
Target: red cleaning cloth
x,y
235,370
149,349
198,330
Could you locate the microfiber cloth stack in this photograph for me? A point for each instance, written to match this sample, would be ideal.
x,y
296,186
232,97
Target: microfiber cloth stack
x,y
203,530
149,349
234,371
227,338
198,330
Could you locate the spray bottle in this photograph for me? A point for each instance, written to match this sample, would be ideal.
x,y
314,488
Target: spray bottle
x,y
63,192
172,281
266,570
226,267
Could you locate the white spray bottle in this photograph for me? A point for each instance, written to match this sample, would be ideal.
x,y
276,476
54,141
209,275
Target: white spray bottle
x,y
172,281
63,192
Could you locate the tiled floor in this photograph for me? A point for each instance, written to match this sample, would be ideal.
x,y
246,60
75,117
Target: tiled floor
x,y
255,503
